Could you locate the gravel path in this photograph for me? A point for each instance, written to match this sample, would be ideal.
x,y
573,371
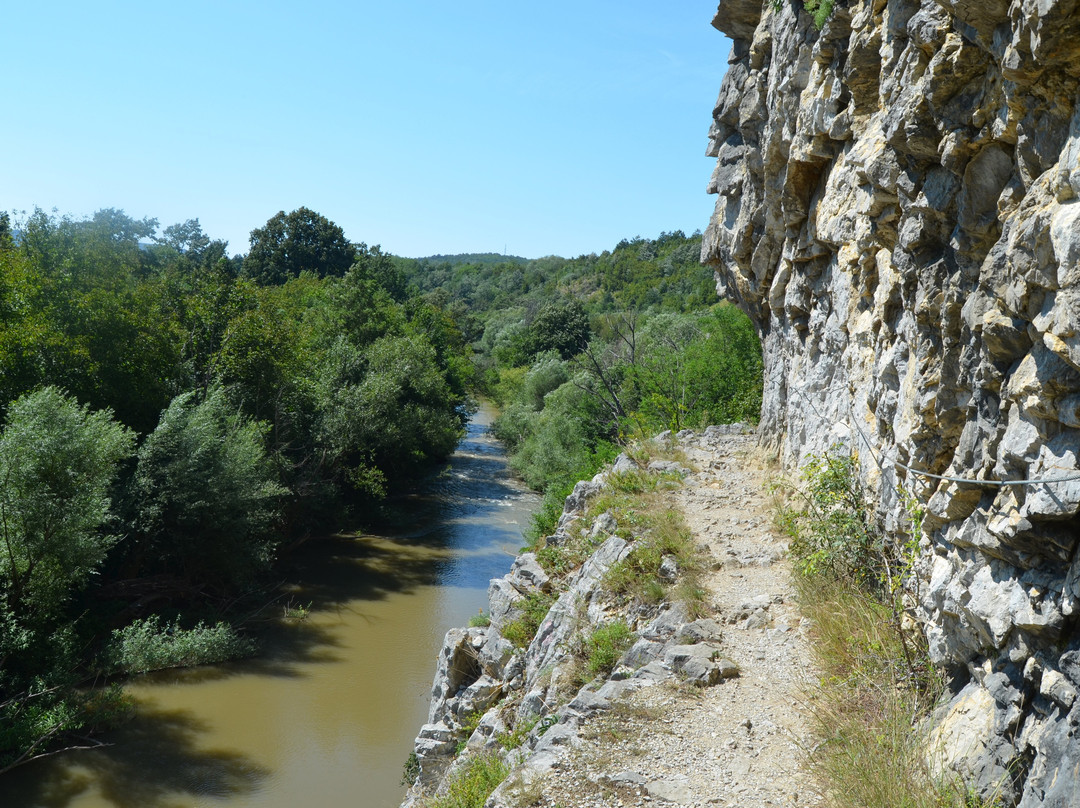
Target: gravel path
x,y
740,742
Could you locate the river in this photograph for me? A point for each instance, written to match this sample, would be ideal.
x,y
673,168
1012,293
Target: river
x,y
325,716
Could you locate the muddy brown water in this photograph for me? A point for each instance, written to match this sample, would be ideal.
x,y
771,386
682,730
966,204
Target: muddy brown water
x,y
325,716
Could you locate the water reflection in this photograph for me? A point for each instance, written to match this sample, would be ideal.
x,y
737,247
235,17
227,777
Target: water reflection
x,y
157,761
327,714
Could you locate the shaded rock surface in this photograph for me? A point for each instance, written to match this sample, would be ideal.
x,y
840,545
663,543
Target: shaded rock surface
x,y
898,210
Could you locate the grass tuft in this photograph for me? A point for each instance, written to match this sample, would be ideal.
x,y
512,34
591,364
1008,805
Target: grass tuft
x,y
535,606
660,532
473,783
480,620
605,645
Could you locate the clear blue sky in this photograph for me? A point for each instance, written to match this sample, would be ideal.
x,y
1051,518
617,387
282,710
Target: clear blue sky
x,y
426,127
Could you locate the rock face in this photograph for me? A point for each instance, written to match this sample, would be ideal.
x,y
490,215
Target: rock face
x,y
899,212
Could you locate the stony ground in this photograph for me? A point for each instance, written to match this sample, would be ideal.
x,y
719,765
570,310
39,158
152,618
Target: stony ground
x,y
741,742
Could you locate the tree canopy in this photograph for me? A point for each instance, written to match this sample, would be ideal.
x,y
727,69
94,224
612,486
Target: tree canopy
x,y
300,241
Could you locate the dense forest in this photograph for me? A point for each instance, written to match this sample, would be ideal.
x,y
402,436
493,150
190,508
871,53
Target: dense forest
x,y
173,419
583,353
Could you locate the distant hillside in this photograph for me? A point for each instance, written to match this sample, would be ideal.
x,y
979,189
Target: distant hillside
x,y
661,274
474,258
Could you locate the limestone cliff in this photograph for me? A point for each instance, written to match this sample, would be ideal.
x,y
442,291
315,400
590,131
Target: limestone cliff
x,y
899,211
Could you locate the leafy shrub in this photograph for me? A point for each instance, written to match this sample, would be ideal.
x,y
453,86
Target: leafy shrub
x,y
835,535
605,645
149,645
472,784
546,517
534,608
821,9
411,770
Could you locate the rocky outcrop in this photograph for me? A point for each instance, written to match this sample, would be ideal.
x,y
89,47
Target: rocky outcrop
x,y
528,704
898,209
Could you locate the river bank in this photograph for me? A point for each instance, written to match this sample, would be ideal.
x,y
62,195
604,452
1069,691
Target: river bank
x,y
695,712
327,712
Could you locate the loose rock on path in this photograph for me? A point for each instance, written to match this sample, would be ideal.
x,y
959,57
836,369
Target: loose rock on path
x,y
742,741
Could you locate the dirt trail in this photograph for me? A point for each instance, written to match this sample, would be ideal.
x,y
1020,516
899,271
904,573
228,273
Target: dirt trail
x,y
739,743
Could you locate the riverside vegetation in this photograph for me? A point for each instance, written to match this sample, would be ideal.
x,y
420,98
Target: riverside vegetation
x,y
172,421
584,354
148,493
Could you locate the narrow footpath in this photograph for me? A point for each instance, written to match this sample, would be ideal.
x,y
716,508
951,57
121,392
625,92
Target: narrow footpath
x,y
741,742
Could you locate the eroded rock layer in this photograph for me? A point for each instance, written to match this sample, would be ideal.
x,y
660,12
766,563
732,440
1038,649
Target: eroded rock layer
x,y
899,211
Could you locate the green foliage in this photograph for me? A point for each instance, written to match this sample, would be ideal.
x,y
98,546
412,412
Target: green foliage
x,y
821,9
835,535
74,306
205,494
605,645
664,273
513,739
472,784
534,608
292,243
480,620
371,263
561,327
150,645
411,770
57,463
387,407
546,518
32,723
332,376
695,370
468,727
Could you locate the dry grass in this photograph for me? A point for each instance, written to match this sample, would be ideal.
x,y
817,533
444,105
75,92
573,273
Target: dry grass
x,y
868,710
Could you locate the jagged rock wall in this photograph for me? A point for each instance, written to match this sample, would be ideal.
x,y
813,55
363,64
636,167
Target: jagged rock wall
x,y
899,211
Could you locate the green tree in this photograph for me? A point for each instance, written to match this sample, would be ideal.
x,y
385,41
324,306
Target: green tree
x,y
561,327
291,243
387,410
205,494
187,238
76,311
57,463
7,238
372,263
